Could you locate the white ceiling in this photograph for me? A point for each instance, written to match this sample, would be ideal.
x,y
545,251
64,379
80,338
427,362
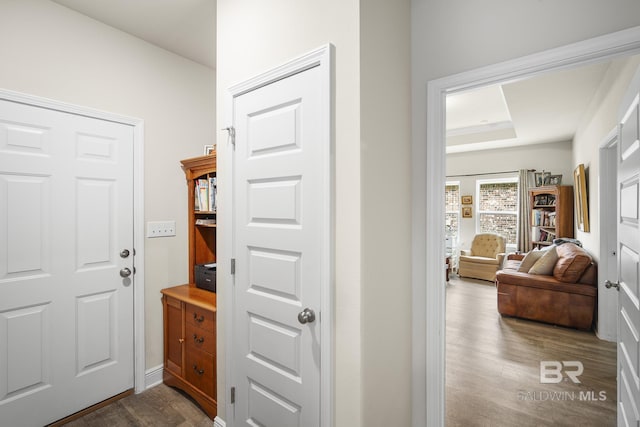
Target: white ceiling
x,y
184,27
544,109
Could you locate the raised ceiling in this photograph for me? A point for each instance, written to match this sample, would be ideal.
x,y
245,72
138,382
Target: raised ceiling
x,y
543,109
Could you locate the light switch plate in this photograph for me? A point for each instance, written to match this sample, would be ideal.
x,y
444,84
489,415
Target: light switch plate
x,y
161,228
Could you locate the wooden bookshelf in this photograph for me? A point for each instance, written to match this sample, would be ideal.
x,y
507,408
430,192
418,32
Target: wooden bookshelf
x,y
551,214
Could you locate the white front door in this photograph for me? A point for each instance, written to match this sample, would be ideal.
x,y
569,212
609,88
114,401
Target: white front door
x,y
281,245
629,259
66,213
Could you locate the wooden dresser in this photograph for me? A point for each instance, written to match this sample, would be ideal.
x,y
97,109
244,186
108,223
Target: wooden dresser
x,y
190,343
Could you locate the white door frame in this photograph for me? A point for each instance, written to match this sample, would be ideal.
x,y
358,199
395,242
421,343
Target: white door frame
x,y
138,210
322,57
607,327
428,315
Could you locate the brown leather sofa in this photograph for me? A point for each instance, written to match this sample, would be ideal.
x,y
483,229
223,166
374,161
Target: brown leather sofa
x,y
567,297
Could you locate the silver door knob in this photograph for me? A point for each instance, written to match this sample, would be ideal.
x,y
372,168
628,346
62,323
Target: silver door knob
x,y
609,284
124,253
306,316
125,272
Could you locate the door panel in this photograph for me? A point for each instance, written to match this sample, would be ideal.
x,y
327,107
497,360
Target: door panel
x,y
629,260
66,211
278,179
24,334
26,230
96,331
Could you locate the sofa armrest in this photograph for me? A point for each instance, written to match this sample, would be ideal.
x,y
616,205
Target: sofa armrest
x,y
516,257
500,258
465,252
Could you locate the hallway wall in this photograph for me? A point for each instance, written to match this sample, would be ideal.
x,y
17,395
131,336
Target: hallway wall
x,y
53,52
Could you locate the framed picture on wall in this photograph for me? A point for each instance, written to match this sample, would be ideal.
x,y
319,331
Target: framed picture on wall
x,y
580,196
467,212
467,200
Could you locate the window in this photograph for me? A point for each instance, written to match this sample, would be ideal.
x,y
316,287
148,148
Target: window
x,y
452,208
498,207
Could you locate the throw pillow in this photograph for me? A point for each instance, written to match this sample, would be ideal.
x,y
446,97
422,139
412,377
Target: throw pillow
x,y
544,266
529,259
572,263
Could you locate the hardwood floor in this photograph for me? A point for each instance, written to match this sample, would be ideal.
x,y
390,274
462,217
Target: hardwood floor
x,y
492,373
159,406
493,367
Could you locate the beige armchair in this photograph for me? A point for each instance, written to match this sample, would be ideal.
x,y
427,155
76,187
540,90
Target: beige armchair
x,y
484,258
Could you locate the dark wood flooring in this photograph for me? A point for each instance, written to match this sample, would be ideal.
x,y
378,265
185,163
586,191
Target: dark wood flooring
x,y
492,373
158,407
493,367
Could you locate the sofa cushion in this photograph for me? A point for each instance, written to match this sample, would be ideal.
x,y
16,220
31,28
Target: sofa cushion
x,y
480,260
545,265
571,264
530,259
511,265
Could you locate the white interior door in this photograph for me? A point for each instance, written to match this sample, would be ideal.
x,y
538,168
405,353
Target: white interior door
x,y
629,259
280,213
66,213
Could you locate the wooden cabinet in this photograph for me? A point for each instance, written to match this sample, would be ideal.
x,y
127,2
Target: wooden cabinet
x,y
189,313
551,213
190,343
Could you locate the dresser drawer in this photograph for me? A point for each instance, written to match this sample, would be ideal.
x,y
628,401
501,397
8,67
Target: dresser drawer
x,y
199,339
200,317
200,371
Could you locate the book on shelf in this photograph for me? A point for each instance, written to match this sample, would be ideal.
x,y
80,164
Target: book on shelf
x,y
543,218
205,221
541,234
535,234
206,192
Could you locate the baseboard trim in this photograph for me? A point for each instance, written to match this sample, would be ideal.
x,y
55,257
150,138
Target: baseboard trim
x,y
153,377
218,422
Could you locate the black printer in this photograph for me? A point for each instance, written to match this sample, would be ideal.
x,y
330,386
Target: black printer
x,y
206,276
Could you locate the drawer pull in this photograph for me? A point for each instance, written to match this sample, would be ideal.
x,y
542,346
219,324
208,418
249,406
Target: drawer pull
x,y
198,319
180,340
198,340
198,371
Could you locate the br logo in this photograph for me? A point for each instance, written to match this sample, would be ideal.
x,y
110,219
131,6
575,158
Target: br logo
x,y
551,371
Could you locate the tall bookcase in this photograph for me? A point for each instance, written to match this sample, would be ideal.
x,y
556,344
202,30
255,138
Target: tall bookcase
x,y
551,214
202,225
190,313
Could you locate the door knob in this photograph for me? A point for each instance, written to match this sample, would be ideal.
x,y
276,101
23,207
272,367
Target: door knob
x,y
124,253
306,316
609,284
125,272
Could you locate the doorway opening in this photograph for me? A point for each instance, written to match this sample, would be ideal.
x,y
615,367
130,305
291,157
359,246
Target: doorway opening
x,y
429,310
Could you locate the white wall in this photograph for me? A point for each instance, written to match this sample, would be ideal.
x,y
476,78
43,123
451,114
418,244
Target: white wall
x,y
600,119
551,157
50,51
386,214
372,357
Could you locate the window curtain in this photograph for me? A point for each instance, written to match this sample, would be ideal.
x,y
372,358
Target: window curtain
x,y
524,225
